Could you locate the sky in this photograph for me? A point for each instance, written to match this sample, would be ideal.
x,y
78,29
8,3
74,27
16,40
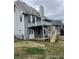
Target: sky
x,y
53,9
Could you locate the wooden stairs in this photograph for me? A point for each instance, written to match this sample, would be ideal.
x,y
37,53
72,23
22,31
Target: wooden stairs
x,y
53,35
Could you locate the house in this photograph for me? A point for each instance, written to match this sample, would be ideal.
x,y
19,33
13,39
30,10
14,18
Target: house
x,y
29,23
62,30
58,24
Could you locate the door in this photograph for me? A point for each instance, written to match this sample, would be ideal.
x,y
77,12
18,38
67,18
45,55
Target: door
x,y
31,33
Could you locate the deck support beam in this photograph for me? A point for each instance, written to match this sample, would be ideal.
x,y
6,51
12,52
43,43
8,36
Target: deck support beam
x,y
43,32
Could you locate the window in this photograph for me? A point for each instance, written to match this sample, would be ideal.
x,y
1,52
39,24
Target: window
x,y
29,19
33,19
20,18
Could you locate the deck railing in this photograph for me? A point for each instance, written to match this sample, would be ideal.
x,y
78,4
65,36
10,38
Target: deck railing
x,y
39,23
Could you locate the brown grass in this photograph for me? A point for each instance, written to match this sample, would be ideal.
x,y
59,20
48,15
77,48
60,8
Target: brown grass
x,y
52,50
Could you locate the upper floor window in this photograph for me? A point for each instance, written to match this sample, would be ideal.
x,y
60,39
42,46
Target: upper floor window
x,y
20,18
33,19
38,18
29,19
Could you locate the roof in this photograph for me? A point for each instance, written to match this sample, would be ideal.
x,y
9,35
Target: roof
x,y
56,22
26,8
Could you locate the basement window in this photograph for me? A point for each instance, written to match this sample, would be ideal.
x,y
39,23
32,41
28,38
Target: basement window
x,y
20,18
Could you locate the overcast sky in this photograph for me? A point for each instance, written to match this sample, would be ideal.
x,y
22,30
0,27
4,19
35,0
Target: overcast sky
x,y
53,9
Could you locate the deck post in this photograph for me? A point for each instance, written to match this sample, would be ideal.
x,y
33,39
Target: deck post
x,y
43,32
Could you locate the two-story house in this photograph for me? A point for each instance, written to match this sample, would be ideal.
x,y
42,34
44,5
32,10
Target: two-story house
x,y
29,23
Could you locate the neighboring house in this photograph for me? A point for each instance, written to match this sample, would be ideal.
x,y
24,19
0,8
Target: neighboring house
x,y
58,24
62,30
29,23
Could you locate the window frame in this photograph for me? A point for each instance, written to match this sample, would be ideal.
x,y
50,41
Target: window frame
x,y
20,18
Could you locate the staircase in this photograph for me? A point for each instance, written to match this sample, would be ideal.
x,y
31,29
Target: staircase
x,y
53,35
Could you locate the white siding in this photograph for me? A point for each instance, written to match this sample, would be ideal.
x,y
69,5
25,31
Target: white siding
x,y
18,26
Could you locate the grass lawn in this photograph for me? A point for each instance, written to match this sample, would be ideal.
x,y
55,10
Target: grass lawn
x,y
38,50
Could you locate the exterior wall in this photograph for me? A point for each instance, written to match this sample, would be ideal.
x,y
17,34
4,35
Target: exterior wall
x,y
18,26
16,18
